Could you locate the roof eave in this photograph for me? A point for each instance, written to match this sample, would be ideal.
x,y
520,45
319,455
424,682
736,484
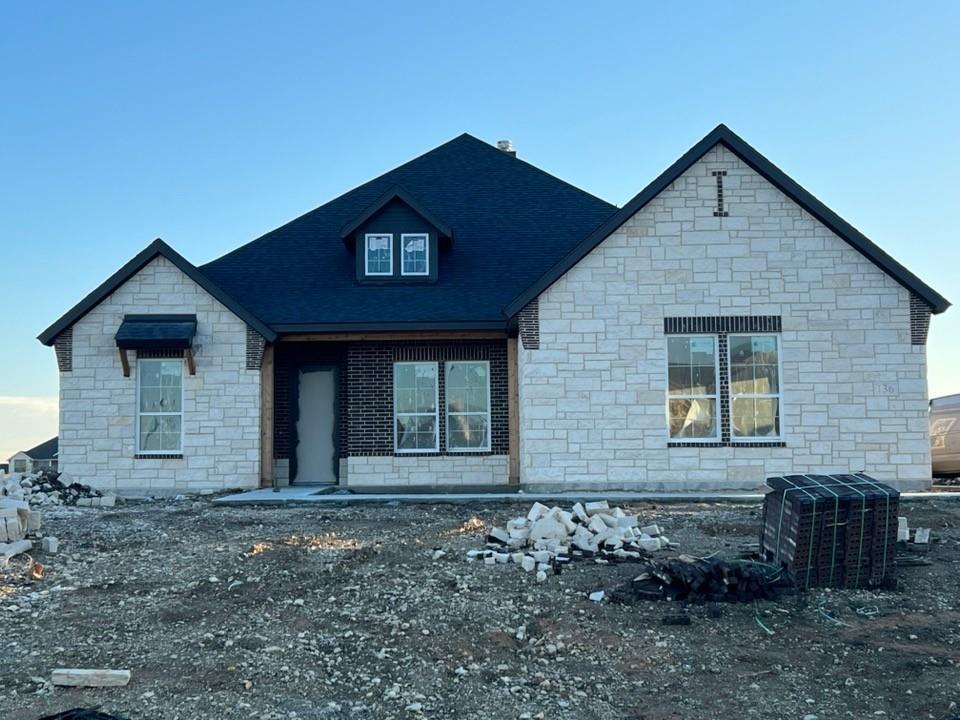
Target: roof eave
x,y
394,193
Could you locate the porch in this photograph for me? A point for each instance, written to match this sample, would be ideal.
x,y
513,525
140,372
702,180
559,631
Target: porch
x,y
390,411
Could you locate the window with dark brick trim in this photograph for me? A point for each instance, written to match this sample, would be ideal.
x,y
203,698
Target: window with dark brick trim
x,y
724,381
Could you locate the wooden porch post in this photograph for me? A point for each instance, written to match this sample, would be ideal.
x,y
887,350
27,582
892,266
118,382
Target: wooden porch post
x,y
266,417
513,412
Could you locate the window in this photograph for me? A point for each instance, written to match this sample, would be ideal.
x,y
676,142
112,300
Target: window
x,y
692,400
754,387
468,406
415,407
160,406
20,465
414,259
379,254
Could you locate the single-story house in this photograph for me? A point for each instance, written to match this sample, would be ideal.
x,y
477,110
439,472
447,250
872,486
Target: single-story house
x,y
467,319
42,457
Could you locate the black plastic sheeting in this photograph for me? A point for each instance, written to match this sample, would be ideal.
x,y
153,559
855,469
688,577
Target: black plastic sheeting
x,y
81,714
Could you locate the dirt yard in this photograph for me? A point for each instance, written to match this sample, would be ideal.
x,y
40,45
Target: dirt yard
x,y
330,612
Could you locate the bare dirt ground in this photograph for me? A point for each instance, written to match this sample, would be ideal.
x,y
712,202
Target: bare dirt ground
x,y
342,613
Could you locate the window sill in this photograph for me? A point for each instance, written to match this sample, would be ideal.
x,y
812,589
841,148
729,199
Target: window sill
x,y
158,456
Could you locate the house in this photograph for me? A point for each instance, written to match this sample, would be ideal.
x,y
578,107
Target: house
x,y
42,457
468,320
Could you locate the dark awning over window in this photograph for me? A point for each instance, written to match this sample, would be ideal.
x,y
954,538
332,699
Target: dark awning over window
x,y
139,332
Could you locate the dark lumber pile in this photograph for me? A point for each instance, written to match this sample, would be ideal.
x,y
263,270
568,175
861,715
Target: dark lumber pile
x,y
705,580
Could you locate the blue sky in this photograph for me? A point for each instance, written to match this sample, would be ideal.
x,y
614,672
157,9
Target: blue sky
x,y
210,123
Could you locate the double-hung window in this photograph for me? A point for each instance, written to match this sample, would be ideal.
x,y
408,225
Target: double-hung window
x,y
159,406
378,254
415,402
414,254
468,405
692,398
19,465
755,388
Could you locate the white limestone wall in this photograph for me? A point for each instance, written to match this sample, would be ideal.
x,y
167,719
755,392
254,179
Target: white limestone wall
x,y
592,398
420,470
221,402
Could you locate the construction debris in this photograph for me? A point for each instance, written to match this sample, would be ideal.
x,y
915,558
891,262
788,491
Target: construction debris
x,y
705,580
48,488
546,538
76,677
81,714
8,550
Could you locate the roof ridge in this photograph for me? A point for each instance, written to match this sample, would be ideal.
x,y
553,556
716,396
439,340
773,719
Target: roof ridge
x,y
461,137
299,217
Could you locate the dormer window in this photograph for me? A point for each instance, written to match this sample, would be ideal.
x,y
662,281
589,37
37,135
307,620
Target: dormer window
x,y
379,253
414,254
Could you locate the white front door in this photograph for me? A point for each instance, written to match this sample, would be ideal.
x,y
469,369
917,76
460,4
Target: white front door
x,y
316,427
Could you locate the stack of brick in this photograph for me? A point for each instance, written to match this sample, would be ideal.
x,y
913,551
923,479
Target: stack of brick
x,y
832,530
547,537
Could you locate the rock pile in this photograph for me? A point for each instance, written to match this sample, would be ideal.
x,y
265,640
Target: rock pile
x,y
46,488
549,537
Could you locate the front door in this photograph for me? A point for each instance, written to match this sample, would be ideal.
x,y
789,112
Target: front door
x,y
316,427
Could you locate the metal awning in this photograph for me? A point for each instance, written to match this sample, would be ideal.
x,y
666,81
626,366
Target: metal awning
x,y
156,332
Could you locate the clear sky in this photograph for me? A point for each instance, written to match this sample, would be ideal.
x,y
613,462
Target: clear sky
x,y
210,123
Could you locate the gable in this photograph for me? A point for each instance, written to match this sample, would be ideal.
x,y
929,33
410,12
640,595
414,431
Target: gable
x,y
154,250
725,138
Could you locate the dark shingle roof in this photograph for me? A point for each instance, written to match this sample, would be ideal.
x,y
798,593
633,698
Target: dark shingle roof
x,y
511,222
45,450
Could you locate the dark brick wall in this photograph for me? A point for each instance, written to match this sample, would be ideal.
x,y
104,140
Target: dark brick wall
x,y
365,392
289,358
63,345
370,389
919,321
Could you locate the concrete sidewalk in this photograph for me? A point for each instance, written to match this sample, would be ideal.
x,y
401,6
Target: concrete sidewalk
x,y
330,496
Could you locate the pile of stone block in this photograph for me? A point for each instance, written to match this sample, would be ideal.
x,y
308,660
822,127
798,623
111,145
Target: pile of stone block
x,y
17,519
50,489
546,538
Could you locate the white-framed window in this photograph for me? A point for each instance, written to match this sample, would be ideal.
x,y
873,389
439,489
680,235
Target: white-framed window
x,y
693,407
414,254
468,405
378,254
19,465
756,394
159,406
415,407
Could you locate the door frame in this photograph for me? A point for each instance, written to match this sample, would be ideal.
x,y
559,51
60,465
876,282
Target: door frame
x,y
294,384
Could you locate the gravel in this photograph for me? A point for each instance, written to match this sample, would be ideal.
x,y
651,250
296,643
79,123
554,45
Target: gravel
x,y
352,613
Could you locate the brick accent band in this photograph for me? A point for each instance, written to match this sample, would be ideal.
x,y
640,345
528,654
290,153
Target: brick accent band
x,y
255,343
529,321
160,353
919,321
714,325
63,345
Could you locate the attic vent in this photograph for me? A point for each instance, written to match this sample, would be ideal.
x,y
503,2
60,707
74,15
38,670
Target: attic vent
x,y
507,147
919,321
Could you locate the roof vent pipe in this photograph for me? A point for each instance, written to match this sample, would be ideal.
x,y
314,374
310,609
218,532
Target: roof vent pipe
x,y
507,147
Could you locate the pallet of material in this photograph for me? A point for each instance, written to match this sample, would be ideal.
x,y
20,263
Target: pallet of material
x,y
832,530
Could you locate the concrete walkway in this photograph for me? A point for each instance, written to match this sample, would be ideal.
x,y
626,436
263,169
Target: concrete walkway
x,y
329,496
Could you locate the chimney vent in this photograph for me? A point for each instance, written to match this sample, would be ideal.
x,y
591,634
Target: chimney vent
x,y
507,147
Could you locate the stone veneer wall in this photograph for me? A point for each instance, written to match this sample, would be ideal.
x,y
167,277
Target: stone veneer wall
x,y
221,402
592,397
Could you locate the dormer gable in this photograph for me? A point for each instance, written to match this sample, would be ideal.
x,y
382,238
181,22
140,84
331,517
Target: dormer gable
x,y
397,240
